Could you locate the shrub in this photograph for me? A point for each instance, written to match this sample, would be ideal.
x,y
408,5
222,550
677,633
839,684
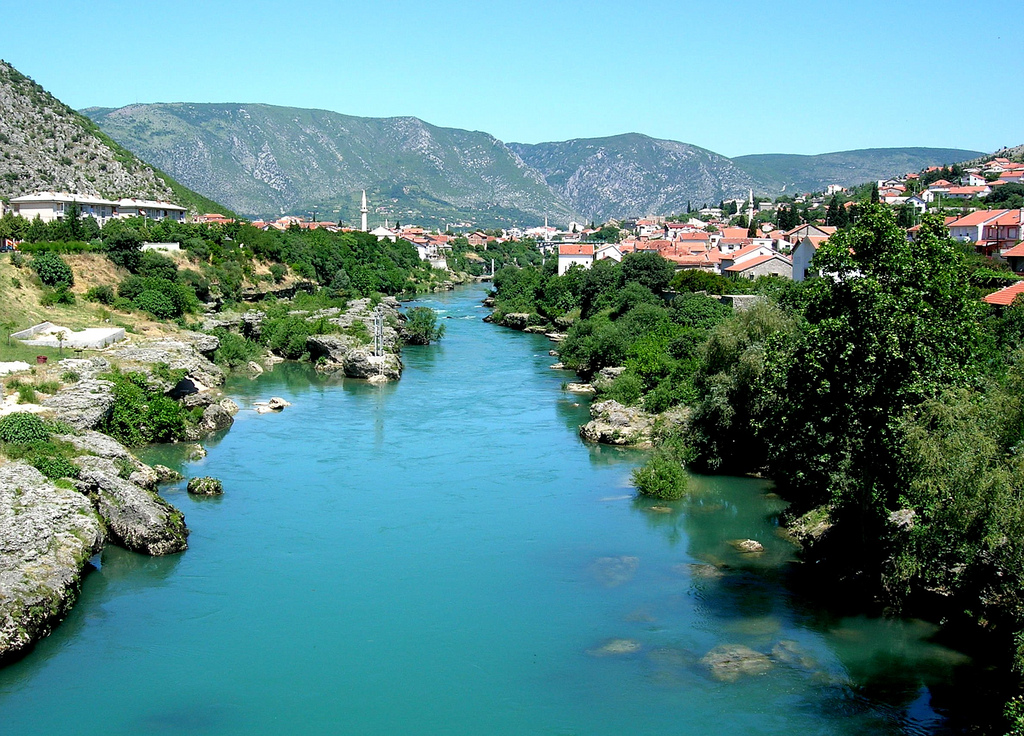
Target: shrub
x,y
52,270
101,294
156,303
61,295
17,259
26,394
627,388
157,266
421,327
22,428
48,387
54,466
140,416
661,477
235,350
69,377
278,272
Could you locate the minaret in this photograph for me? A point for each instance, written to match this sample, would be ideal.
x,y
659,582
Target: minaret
x,y
363,210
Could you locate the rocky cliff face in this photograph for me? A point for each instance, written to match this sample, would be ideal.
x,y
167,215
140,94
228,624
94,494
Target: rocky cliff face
x,y
264,160
634,175
45,145
47,535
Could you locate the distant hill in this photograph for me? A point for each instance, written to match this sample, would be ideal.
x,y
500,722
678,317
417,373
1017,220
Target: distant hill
x,y
267,160
264,160
632,175
789,173
45,145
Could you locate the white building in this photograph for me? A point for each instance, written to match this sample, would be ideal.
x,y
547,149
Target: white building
x,y
608,250
50,206
572,255
150,209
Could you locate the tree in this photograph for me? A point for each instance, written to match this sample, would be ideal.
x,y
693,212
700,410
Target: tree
x,y
647,269
752,230
874,193
891,325
421,327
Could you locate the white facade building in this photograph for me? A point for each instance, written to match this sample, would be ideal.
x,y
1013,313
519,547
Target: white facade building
x,y
50,206
572,255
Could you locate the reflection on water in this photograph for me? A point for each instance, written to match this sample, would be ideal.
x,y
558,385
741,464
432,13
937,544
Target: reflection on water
x,y
445,556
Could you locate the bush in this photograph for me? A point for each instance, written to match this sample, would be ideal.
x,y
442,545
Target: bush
x,y
156,303
54,466
61,295
235,350
421,326
26,394
22,428
278,272
101,294
157,266
140,416
661,477
52,270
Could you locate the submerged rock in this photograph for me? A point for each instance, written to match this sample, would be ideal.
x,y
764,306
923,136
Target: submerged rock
x,y
790,653
614,571
195,452
47,535
747,546
205,486
137,518
616,648
730,662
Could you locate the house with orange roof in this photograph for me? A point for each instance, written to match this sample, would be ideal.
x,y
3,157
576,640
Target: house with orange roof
x,y
771,264
1015,257
575,254
1005,297
990,231
968,192
803,256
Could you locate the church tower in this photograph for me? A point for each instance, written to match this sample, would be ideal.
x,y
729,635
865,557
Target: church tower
x,y
363,210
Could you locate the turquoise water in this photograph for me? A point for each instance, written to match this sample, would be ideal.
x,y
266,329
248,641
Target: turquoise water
x,y
444,556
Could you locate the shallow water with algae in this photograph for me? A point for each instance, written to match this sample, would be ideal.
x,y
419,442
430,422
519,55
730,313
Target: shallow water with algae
x,y
445,556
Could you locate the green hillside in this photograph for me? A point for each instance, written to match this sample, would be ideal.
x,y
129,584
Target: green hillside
x,y
789,173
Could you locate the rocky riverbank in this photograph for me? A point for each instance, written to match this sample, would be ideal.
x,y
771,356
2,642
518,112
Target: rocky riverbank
x,y
49,529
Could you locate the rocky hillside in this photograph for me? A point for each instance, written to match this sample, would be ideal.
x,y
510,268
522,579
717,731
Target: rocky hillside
x,y
266,160
783,172
263,160
633,174
45,145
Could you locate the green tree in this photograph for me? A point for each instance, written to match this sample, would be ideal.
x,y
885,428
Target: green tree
x,y
421,327
647,269
891,326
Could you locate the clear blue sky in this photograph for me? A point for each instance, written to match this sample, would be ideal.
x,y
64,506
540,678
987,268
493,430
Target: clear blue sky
x,y
736,77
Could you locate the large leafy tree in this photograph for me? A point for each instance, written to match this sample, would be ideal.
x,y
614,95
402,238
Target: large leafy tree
x,y
889,324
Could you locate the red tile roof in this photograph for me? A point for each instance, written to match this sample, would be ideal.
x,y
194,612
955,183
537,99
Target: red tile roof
x,y
575,250
750,263
1017,251
1005,297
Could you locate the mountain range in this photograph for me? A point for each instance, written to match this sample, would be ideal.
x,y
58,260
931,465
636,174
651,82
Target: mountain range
x,y
265,160
45,145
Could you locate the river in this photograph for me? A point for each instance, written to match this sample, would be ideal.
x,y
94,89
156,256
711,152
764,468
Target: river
x,y
445,556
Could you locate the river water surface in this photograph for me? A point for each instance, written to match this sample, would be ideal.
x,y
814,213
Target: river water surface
x,y
445,556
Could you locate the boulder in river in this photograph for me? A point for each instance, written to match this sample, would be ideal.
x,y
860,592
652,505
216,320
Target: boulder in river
x,y
362,363
47,535
137,518
215,418
747,546
730,662
205,486
165,474
614,424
